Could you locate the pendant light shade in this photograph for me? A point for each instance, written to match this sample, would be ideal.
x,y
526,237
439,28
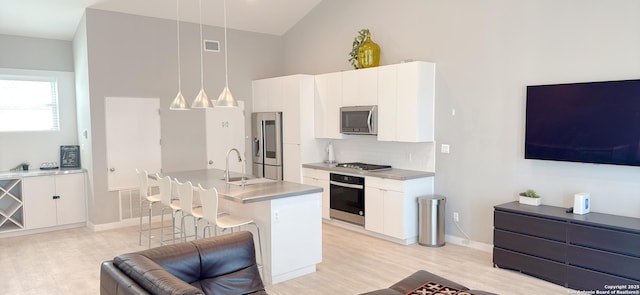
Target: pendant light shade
x,y
202,100
226,98
179,103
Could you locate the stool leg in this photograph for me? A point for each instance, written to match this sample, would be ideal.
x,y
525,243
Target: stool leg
x,y
149,225
140,228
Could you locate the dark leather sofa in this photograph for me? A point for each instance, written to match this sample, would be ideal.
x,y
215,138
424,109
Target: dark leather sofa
x,y
218,265
422,278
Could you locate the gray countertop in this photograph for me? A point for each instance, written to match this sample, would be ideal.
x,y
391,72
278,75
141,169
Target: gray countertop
x,y
214,178
396,174
31,173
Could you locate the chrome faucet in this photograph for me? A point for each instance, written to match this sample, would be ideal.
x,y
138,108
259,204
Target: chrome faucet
x,y
226,173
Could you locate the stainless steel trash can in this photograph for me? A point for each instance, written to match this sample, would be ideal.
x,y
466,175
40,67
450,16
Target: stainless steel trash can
x,y
431,220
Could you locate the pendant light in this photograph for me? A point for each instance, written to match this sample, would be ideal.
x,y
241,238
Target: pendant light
x,y
226,98
179,103
202,100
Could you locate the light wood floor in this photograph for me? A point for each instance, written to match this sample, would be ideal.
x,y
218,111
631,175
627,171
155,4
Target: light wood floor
x,y
68,262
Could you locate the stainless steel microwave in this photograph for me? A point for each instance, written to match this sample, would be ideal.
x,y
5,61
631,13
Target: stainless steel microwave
x,y
359,120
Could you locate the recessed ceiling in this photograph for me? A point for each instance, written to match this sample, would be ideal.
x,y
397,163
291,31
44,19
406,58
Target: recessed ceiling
x,y
54,19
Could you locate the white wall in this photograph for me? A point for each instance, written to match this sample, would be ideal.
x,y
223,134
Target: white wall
x,y
486,53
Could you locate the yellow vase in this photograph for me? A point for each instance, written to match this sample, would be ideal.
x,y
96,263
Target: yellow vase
x,y
368,54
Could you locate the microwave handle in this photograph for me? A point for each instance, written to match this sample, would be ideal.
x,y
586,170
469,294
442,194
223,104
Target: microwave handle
x,y
369,117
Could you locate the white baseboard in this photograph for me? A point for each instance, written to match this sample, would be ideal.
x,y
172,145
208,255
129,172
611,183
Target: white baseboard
x,y
22,232
468,243
120,224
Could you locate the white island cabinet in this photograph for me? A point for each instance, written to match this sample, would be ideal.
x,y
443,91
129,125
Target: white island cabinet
x,y
406,95
54,200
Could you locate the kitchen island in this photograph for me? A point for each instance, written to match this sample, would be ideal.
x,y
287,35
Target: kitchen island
x,y
289,215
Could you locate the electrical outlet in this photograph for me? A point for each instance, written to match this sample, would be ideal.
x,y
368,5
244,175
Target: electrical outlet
x,y
456,216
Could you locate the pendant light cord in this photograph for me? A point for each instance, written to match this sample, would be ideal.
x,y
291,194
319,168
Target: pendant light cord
x,y
200,45
178,34
226,73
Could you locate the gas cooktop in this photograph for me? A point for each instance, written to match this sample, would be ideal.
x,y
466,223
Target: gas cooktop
x,y
364,166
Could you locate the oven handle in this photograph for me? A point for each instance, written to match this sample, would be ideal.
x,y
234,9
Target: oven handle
x,y
356,186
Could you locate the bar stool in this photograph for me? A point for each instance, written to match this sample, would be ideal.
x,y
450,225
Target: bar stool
x,y
166,197
209,200
185,195
143,181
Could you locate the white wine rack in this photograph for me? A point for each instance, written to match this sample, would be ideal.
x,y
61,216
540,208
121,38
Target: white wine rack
x,y
11,205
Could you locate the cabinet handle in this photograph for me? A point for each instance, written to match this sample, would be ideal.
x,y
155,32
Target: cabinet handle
x,y
112,169
56,197
210,162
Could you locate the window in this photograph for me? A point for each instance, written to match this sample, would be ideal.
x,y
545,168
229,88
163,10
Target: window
x,y
28,104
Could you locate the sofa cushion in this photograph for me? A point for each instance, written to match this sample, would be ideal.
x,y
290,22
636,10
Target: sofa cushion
x,y
151,276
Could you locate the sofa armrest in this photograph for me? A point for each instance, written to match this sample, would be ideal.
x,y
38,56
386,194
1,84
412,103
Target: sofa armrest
x,y
114,282
153,277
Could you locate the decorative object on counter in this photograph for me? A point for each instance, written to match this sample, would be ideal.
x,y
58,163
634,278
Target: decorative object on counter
x,y
24,166
49,166
331,157
226,98
357,42
202,100
530,197
368,53
69,156
179,103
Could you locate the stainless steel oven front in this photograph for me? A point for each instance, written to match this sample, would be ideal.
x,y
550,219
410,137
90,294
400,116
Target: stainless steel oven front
x,y
346,196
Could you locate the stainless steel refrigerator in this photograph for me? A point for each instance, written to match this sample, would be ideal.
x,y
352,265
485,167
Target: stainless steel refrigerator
x,y
267,144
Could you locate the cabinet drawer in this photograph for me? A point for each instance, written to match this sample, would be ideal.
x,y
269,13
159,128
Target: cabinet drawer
x,y
583,279
616,264
605,239
384,183
530,245
529,225
538,267
315,173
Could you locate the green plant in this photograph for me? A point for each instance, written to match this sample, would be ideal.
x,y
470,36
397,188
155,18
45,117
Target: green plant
x,y
353,55
530,194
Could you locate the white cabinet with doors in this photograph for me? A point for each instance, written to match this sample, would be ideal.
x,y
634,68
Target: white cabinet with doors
x,y
225,129
294,97
328,100
391,206
54,200
317,177
359,87
406,95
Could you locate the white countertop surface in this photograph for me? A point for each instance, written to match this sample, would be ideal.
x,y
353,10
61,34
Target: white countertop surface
x,y
397,174
37,172
258,192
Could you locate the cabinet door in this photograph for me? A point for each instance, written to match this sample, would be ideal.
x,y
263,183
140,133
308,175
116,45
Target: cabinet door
x,y
291,166
328,100
360,87
290,109
267,95
71,204
374,209
39,206
415,101
387,103
394,213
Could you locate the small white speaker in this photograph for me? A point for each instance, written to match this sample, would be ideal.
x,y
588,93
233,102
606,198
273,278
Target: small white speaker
x,y
581,203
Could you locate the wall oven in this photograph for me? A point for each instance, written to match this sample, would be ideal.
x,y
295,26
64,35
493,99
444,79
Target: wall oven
x,y
346,196
359,120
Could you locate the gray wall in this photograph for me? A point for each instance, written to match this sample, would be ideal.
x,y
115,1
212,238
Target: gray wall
x,y
32,56
134,56
486,53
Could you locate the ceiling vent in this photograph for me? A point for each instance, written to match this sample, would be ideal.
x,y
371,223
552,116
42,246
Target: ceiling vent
x,y
210,45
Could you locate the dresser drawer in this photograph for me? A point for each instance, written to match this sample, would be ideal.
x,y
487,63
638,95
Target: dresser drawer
x,y
605,239
587,280
529,225
530,245
616,264
538,267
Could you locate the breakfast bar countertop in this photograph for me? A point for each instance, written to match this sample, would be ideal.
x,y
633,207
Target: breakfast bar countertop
x,y
249,193
396,174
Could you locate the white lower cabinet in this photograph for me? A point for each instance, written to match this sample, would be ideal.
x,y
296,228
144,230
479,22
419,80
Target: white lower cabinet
x,y
317,177
54,200
391,206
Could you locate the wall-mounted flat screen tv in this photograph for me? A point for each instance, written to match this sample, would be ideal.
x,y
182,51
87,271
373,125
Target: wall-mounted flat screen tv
x,y
595,122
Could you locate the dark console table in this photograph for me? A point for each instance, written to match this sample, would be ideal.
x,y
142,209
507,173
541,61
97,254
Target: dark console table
x,y
587,252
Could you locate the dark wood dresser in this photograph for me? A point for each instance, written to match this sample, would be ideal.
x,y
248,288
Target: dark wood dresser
x,y
587,252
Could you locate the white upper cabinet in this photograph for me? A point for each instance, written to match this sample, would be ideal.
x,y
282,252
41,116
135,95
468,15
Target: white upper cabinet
x,y
268,95
406,95
328,100
359,87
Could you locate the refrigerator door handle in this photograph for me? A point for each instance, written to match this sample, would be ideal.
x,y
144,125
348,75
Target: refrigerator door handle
x,y
256,147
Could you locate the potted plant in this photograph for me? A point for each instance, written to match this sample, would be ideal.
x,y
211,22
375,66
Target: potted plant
x,y
530,197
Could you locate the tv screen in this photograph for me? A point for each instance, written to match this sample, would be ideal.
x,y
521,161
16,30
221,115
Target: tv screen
x,y
596,122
